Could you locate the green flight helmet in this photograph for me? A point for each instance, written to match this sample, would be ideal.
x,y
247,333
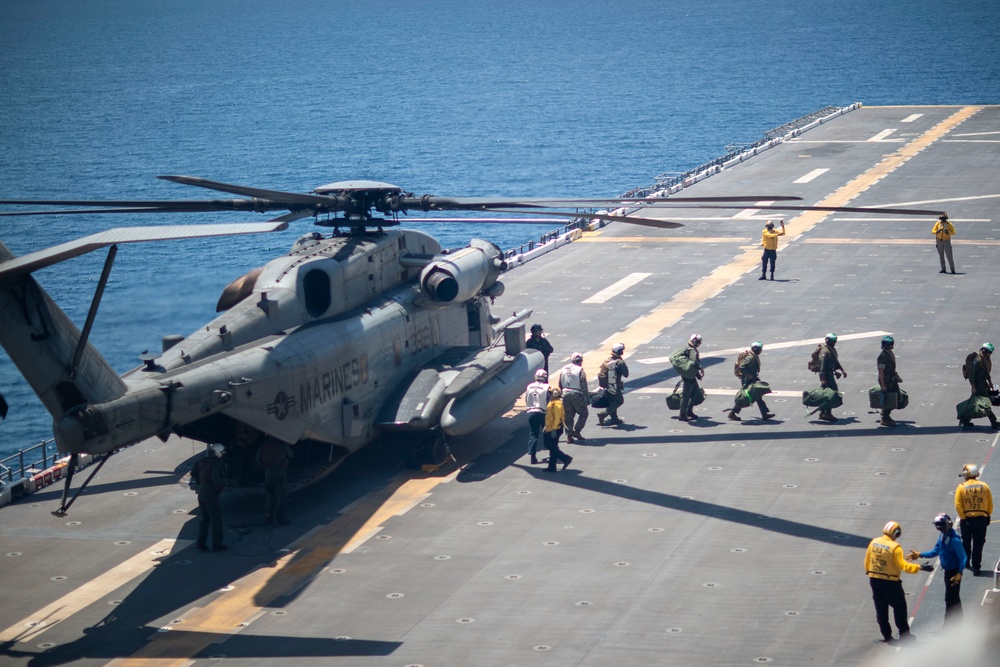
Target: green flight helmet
x,y
887,341
757,346
987,347
830,338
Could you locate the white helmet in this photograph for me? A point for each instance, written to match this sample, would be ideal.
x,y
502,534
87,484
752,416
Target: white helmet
x,y
541,375
577,357
695,339
618,348
970,471
217,450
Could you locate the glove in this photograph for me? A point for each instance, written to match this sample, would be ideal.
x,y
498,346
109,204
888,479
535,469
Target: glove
x,y
957,579
927,567
913,555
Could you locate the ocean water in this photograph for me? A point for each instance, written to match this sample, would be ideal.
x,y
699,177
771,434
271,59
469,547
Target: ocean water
x,y
517,98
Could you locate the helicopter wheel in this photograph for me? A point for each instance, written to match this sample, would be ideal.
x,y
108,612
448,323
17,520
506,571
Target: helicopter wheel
x,y
424,449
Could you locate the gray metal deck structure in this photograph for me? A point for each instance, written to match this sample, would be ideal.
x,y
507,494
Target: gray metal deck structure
x,y
704,543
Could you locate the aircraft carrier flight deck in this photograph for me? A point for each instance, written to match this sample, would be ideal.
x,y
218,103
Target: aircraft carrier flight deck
x,y
711,542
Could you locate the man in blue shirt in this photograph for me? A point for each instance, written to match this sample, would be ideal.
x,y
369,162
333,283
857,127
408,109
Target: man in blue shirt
x,y
951,555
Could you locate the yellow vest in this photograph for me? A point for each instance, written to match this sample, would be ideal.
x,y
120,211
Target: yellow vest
x,y
973,498
881,561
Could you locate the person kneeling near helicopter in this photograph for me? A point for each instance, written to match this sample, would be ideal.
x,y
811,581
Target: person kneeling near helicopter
x,y
211,482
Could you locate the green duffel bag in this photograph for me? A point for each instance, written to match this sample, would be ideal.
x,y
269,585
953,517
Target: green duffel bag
x,y
674,397
973,408
684,364
745,397
823,398
875,399
903,400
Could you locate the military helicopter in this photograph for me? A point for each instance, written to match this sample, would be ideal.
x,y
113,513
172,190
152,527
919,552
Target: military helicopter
x,y
371,329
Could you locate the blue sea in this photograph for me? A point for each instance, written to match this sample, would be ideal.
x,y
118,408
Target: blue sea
x,y
533,98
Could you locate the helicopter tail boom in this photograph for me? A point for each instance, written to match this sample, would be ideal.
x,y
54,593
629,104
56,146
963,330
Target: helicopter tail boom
x,y
44,344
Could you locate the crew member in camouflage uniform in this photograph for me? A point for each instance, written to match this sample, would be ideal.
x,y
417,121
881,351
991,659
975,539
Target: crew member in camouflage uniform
x,y
750,373
979,378
575,397
690,386
888,379
829,370
612,378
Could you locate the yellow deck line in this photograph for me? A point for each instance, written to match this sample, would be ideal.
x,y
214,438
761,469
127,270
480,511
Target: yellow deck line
x,y
649,326
31,627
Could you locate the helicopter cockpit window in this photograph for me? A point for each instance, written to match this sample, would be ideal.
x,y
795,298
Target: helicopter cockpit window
x,y
316,286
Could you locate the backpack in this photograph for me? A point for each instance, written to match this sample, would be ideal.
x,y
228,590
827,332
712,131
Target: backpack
x,y
970,360
739,362
813,363
684,364
602,375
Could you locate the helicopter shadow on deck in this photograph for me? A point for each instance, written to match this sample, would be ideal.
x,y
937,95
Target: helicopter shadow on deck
x,y
131,628
722,512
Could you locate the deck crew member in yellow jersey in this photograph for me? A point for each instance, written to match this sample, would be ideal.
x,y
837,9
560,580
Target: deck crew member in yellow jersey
x,y
884,563
974,504
943,230
769,239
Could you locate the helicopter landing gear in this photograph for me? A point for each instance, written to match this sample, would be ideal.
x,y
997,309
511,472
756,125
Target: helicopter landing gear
x,y
427,451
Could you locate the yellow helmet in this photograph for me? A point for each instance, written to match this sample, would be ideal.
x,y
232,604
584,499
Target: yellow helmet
x,y
892,529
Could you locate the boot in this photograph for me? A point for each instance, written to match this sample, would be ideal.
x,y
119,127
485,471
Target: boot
x,y
772,275
735,417
534,460
827,416
579,436
601,416
569,437
762,277
767,415
691,415
887,421
567,461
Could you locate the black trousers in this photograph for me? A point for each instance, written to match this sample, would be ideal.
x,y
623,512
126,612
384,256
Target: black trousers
x,y
885,594
552,444
973,539
768,256
210,510
952,597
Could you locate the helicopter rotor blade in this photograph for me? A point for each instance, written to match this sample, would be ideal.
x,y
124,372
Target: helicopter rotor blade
x,y
609,217
278,196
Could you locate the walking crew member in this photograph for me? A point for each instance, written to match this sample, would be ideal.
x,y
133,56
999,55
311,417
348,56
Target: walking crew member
x,y
888,379
974,504
536,398
951,555
554,416
769,239
749,365
830,370
575,397
981,381
537,342
884,563
943,231
612,377
690,385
